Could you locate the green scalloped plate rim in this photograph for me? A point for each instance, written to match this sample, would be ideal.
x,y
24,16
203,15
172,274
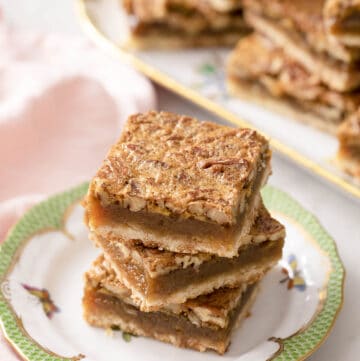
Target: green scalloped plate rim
x,y
49,214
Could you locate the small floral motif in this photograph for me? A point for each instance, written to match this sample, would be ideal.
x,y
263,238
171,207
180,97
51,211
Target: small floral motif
x,y
5,289
293,275
211,78
207,69
43,296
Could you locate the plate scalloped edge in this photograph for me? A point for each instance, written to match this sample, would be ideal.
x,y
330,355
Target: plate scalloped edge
x,y
50,215
303,343
47,215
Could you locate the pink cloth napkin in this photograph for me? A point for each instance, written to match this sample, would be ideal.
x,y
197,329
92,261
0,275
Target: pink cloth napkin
x,y
62,104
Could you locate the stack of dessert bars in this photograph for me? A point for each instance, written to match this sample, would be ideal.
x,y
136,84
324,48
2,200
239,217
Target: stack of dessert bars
x,y
302,59
177,212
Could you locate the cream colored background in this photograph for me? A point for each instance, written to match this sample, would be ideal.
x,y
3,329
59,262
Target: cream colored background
x,y
339,214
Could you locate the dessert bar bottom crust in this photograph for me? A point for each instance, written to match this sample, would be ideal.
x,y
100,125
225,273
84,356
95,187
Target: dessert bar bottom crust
x,y
107,311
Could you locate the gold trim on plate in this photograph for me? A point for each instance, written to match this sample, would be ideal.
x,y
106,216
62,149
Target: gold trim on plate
x,y
104,43
4,279
322,294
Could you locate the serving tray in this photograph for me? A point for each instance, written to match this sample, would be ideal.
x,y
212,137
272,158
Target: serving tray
x,y
198,75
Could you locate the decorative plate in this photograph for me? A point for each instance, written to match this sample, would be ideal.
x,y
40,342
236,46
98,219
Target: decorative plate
x,y
198,75
43,259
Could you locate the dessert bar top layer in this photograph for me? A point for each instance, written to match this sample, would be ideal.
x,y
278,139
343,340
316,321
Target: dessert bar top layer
x,y
146,10
212,310
175,165
349,131
157,262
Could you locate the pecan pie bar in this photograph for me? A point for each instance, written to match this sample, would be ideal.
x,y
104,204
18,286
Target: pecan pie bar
x,y
179,184
342,20
157,278
349,150
202,323
297,26
184,23
261,71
